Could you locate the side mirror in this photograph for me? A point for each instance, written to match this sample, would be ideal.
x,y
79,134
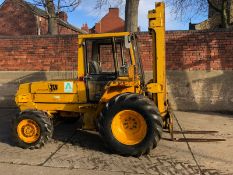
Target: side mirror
x,y
127,42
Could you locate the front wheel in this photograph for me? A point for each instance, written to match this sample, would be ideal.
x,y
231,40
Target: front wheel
x,y
32,129
130,124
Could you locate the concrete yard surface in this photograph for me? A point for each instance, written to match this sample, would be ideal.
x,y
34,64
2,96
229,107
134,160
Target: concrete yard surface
x,y
203,145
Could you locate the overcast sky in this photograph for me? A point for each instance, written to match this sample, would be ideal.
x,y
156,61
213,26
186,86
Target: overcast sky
x,y
85,13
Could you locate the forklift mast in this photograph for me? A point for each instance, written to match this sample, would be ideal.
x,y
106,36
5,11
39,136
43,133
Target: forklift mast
x,y
157,30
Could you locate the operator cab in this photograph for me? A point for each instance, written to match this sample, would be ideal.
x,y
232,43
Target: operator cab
x,y
106,59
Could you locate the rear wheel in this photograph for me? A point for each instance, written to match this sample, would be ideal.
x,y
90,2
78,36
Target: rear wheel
x,y
130,124
32,129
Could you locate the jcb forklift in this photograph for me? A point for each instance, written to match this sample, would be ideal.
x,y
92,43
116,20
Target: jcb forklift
x,y
109,94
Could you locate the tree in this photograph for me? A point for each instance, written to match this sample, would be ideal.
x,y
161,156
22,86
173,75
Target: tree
x,y
196,7
53,7
223,10
131,12
131,15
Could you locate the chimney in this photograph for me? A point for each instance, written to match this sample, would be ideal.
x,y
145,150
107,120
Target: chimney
x,y
62,15
114,12
85,27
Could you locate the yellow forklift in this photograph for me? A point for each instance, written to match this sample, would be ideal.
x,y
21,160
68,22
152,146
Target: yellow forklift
x,y
109,94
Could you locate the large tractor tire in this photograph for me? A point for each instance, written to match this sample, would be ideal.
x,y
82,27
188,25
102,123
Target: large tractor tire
x,y
32,129
130,124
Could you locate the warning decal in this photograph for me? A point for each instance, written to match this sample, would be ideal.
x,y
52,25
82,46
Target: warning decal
x,y
68,87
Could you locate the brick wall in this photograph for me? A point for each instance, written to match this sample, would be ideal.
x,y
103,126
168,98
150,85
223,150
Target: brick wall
x,y
193,50
38,53
185,51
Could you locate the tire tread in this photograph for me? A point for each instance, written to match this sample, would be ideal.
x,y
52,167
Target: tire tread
x,y
42,119
138,101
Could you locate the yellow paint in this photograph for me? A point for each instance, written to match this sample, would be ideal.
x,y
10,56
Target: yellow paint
x,y
40,92
103,35
81,65
51,107
154,88
44,87
56,98
129,127
119,87
157,29
132,55
132,71
28,131
82,95
24,88
24,98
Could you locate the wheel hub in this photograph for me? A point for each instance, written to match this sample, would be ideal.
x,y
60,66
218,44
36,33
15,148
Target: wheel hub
x,y
28,131
129,127
131,123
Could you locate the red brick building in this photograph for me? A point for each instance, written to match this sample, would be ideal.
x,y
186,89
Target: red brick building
x,y
18,17
111,22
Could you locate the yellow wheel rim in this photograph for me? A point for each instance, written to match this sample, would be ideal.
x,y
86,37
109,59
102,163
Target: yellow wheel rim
x,y
28,131
129,127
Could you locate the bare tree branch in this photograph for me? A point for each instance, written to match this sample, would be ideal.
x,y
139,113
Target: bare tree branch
x,y
102,3
60,5
192,8
187,8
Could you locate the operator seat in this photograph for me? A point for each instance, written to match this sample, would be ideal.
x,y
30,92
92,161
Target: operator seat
x,y
94,67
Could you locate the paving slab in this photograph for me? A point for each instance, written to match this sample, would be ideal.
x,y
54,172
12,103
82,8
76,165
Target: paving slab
x,y
13,169
210,137
202,146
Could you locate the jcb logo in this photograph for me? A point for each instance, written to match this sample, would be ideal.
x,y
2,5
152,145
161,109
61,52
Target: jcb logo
x,y
53,87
